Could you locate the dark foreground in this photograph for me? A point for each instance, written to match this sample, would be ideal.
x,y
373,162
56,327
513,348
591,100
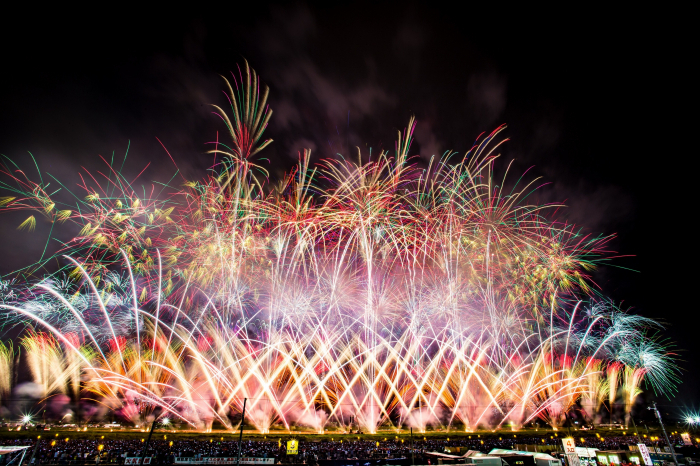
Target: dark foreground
x,y
322,452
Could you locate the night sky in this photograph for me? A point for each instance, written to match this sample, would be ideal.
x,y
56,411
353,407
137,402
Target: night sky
x,y
573,87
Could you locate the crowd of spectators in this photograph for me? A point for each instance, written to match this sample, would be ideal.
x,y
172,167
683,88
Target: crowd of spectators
x,y
85,451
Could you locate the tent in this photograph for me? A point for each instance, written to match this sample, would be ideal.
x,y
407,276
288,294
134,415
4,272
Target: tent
x,y
8,450
468,454
541,456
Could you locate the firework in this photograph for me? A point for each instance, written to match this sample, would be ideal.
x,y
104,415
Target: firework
x,y
368,294
7,365
691,418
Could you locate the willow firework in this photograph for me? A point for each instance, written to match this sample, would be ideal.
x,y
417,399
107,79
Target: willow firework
x,y
367,291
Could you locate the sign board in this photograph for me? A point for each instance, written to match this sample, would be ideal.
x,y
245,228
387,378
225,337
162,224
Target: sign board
x,y
292,447
644,451
136,460
570,450
569,445
686,439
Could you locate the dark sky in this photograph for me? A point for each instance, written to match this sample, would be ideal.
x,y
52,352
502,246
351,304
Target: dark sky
x,y
575,88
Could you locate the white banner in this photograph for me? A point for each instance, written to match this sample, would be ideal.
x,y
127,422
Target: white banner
x,y
573,459
188,460
570,450
569,445
644,451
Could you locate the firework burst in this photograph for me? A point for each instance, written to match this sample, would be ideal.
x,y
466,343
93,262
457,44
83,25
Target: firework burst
x,y
379,293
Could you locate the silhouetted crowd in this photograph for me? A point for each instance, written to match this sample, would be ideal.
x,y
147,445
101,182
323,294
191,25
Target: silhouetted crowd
x,y
84,452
